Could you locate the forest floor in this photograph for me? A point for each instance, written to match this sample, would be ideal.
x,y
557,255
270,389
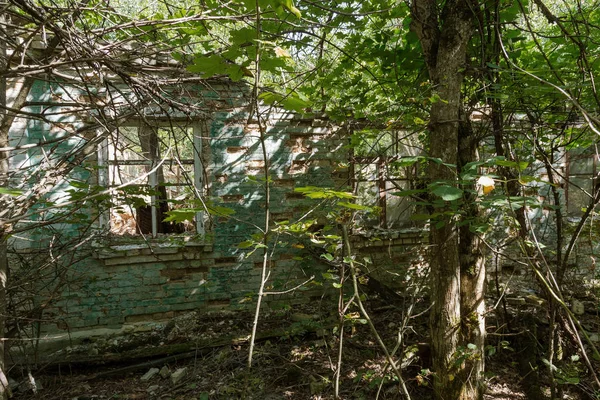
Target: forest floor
x,y
296,355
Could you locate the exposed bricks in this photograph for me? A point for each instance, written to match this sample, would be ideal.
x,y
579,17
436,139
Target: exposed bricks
x,y
142,259
251,129
298,167
254,167
219,303
237,149
163,315
181,273
225,261
306,137
287,183
259,265
297,145
233,198
138,318
221,178
295,196
282,216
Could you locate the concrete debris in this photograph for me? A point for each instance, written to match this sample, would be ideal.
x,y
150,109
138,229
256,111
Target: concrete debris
x,y
165,372
178,375
152,372
152,389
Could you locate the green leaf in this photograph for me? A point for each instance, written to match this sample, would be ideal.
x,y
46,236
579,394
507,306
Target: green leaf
x,y
423,217
327,256
220,211
353,206
181,215
329,275
447,193
242,36
314,192
275,65
524,179
10,192
407,161
79,184
245,244
569,380
294,103
289,4
503,162
235,72
290,101
436,98
208,66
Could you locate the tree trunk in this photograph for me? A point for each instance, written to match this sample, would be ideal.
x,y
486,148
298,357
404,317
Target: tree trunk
x,y
4,142
472,274
445,317
456,297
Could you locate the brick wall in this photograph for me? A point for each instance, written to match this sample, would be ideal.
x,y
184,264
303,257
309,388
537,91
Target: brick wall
x,y
395,257
126,280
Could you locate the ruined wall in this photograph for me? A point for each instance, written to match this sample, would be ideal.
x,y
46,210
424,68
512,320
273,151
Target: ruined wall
x,y
128,283
125,280
114,282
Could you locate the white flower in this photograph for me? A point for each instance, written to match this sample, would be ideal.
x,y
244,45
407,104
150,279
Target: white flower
x,y
487,183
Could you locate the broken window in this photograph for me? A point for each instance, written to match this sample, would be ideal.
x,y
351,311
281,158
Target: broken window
x,y
377,176
153,171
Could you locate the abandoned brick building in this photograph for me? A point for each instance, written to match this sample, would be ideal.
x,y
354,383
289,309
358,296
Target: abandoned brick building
x,y
126,265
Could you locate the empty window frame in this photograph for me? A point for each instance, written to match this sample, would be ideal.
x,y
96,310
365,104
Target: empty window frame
x,y
376,180
376,177
152,170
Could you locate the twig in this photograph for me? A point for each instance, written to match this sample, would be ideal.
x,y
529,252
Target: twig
x,y
290,290
264,273
366,315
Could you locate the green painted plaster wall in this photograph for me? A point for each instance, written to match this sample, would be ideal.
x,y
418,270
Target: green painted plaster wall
x,y
126,280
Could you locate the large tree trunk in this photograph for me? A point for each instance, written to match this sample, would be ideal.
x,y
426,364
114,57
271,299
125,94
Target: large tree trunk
x,y
457,270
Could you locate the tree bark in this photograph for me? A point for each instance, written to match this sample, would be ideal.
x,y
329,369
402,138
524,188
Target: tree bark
x,y
456,264
472,273
4,388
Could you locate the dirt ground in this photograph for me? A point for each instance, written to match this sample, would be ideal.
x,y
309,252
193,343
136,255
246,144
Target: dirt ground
x,y
295,358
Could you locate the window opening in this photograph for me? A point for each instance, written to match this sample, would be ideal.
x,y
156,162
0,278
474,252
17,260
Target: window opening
x,y
377,177
152,170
